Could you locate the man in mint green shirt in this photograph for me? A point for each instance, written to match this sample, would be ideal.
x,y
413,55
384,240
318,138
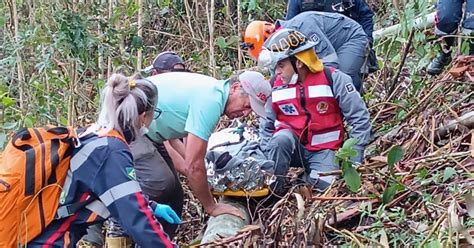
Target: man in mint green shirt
x,y
190,105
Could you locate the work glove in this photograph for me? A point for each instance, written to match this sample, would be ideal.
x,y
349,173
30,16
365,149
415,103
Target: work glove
x,y
167,213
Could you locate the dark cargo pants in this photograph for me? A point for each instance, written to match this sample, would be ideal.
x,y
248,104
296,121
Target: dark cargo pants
x,y
286,150
449,14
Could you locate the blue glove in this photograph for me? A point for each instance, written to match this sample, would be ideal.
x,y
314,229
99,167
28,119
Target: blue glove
x,y
167,213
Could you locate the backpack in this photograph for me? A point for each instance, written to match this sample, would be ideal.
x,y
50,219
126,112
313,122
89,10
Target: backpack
x,y
33,168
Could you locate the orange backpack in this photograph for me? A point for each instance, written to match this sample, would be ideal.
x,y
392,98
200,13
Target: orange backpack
x,y
33,168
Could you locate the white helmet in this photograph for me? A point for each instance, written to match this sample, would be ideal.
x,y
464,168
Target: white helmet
x,y
281,45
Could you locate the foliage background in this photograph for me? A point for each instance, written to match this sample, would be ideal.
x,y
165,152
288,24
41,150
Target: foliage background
x,y
55,56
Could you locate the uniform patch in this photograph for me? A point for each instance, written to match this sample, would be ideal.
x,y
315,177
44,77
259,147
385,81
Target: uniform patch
x,y
131,173
288,109
350,88
314,37
322,107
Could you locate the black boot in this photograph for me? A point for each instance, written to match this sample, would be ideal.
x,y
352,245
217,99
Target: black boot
x,y
444,58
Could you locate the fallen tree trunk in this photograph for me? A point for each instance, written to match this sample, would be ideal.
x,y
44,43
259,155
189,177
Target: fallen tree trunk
x,y
466,120
420,23
226,225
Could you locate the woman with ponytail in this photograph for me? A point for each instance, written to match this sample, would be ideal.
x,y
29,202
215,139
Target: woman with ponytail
x,y
101,175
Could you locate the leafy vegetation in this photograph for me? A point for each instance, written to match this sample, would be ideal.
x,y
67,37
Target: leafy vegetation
x,y
55,56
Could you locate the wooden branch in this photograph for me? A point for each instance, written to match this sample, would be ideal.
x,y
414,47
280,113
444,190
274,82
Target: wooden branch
x,y
402,63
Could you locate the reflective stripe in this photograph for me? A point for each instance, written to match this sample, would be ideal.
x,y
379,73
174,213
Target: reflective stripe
x,y
318,139
283,94
320,91
78,159
84,153
119,191
99,208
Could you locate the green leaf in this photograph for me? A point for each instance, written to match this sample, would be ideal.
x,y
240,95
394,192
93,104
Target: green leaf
x,y
434,244
7,101
348,144
351,176
389,193
220,41
2,21
252,5
233,40
137,42
394,155
28,122
9,125
448,173
401,114
423,173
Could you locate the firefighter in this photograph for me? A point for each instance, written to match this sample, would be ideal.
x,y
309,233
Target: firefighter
x,y
307,109
339,41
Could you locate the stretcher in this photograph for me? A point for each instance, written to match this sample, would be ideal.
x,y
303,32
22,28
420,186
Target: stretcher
x,y
241,193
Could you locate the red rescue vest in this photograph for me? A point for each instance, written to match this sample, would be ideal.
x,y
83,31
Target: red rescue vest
x,y
310,111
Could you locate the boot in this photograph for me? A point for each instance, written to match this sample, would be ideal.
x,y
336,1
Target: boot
x,y
118,242
444,58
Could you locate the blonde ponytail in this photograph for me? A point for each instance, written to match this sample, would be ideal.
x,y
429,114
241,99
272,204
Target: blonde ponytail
x,y
123,100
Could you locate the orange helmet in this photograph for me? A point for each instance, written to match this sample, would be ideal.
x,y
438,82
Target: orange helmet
x,y
255,35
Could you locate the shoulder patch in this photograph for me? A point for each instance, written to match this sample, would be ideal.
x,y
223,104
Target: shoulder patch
x,y
131,173
350,88
314,37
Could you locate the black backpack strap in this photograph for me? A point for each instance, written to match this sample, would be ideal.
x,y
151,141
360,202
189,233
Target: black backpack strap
x,y
328,74
70,209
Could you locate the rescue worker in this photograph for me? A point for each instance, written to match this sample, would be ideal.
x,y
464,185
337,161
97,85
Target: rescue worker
x,y
340,41
166,62
190,105
358,10
102,167
307,110
447,20
149,176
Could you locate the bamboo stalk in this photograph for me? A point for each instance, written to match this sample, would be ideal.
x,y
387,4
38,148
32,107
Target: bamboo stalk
x,y
19,61
239,51
109,59
210,23
140,34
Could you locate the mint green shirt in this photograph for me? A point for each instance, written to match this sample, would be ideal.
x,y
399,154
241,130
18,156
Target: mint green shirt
x,y
189,103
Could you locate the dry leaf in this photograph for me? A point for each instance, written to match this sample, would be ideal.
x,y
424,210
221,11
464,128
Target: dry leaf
x,y
300,204
384,238
470,204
